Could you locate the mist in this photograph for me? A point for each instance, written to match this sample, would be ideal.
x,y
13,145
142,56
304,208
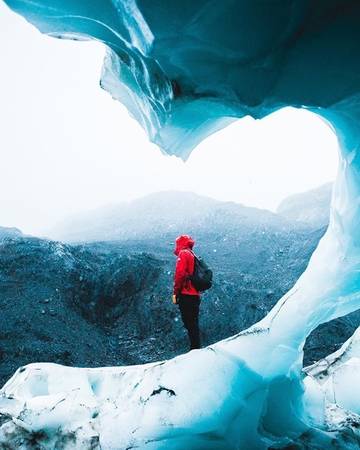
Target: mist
x,y
67,146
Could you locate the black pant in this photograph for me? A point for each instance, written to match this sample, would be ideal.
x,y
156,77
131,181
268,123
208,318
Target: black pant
x,y
189,308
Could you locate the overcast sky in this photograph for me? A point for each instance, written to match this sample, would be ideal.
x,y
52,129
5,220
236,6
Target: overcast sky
x,y
66,146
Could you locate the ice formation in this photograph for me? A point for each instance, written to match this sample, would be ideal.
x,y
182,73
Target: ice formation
x,y
185,69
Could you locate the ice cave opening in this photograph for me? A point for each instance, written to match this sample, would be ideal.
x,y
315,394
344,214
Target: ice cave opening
x,y
183,69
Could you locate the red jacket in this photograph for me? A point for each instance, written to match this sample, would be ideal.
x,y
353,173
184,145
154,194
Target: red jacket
x,y
184,266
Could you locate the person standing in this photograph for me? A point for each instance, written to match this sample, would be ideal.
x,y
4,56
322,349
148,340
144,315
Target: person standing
x,y
185,294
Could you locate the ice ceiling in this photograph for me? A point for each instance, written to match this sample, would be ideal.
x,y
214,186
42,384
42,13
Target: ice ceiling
x,y
185,69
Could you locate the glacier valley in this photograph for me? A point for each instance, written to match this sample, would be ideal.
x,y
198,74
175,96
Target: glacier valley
x,y
185,69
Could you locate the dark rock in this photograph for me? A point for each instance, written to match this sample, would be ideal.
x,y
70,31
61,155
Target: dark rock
x,y
106,303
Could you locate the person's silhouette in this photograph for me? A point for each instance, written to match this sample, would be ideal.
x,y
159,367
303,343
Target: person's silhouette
x,y
185,294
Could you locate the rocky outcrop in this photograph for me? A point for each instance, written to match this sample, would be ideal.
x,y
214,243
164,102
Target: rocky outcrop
x,y
107,303
311,208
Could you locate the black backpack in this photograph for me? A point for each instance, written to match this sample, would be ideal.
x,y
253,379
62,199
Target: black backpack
x,y
202,276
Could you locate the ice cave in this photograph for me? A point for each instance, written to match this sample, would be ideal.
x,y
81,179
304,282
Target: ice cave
x,y
185,69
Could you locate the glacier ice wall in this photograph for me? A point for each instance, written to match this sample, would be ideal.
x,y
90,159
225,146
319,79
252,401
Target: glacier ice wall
x,y
185,69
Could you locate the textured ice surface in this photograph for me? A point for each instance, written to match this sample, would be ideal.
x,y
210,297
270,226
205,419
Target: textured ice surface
x,y
184,69
336,377
332,397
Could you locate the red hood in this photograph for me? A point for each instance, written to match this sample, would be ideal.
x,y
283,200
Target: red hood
x,y
183,242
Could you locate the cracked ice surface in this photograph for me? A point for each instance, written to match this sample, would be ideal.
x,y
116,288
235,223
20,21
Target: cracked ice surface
x,y
332,398
185,69
336,377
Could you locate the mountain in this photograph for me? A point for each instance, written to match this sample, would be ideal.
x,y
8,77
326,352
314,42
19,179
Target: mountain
x,y
310,208
108,302
6,232
163,213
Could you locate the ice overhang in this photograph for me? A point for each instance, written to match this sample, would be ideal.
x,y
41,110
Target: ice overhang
x,y
185,69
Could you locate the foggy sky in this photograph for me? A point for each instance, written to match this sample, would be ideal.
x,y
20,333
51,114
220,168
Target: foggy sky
x,y
66,146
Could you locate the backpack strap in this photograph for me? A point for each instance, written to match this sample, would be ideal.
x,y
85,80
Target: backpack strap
x,y
195,258
193,254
